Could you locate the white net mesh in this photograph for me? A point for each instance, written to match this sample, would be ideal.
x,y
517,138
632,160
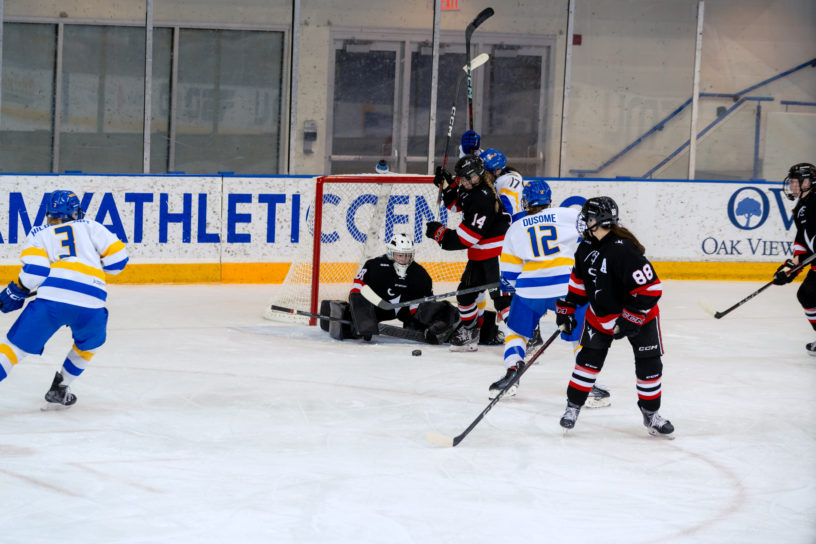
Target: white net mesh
x,y
359,215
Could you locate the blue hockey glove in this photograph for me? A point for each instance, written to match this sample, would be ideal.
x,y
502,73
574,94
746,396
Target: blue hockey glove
x,y
505,287
12,297
470,142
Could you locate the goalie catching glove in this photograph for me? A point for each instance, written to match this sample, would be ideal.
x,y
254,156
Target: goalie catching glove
x,y
628,324
783,273
565,315
13,297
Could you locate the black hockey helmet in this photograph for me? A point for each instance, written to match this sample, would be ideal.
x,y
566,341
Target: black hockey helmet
x,y
469,165
601,211
799,172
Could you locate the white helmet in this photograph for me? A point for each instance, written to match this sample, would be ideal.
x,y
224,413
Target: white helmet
x,y
400,243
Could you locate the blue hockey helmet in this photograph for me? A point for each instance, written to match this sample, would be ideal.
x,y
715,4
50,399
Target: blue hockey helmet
x,y
537,192
64,205
493,159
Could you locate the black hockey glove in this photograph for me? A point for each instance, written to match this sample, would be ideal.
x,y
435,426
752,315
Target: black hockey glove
x,y
783,275
435,230
628,324
13,297
442,178
565,315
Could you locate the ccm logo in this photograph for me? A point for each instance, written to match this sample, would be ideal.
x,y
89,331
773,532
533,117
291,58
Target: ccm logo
x,y
647,348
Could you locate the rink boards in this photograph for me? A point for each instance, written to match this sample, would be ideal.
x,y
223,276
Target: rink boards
x,y
188,229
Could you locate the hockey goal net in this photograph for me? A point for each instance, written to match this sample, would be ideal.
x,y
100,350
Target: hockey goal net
x,y
356,215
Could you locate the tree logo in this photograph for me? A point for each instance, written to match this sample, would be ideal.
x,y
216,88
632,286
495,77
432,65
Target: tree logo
x,y
748,208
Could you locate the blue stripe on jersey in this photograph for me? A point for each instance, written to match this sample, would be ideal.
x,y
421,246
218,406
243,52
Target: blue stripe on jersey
x,y
36,270
69,285
541,281
116,266
506,274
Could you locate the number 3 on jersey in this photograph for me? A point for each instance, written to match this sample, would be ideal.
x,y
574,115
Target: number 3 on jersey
x,y
541,244
68,241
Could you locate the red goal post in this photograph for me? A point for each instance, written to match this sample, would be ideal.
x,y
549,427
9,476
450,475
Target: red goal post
x,y
356,215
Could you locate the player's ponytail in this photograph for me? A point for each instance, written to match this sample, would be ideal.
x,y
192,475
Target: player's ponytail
x,y
623,232
489,179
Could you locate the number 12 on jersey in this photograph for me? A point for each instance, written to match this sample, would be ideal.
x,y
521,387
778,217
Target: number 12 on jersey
x,y
542,244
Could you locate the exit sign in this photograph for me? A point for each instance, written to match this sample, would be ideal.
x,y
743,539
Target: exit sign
x,y
450,4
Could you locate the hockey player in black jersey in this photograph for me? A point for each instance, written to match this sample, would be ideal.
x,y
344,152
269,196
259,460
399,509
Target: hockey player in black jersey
x,y
799,186
395,277
613,275
481,232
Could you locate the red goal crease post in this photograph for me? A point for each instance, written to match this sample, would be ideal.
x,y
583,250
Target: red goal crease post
x,y
356,215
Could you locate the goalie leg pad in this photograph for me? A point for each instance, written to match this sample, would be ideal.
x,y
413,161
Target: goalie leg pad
x,y
364,316
339,309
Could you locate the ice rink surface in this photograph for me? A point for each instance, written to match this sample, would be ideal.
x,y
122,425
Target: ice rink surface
x,y
199,422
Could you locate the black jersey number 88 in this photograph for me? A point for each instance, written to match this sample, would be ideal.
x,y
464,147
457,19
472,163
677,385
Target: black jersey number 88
x,y
644,275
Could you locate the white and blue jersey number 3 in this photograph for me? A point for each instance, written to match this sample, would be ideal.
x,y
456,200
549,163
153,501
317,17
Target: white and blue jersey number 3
x,y
545,242
68,242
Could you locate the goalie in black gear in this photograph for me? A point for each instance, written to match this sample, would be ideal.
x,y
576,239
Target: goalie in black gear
x,y
395,277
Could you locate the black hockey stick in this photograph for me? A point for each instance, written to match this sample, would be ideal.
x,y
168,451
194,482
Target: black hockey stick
x,y
471,28
717,315
448,442
388,330
375,299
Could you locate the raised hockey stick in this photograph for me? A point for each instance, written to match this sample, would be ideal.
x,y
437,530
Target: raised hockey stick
x,y
375,299
471,28
445,441
717,315
388,330
475,62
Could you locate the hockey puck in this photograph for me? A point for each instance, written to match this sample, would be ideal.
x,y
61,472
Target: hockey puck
x,y
416,352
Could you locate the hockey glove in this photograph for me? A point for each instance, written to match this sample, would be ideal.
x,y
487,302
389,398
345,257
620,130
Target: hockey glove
x,y
13,297
628,324
470,142
565,315
435,230
442,178
783,275
505,287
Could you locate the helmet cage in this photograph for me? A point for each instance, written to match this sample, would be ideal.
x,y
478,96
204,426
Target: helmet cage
x,y
601,211
400,243
799,172
469,165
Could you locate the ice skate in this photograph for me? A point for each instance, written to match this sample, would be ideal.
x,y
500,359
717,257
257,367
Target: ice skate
x,y
535,342
59,397
598,397
465,339
811,349
656,425
498,386
496,339
570,416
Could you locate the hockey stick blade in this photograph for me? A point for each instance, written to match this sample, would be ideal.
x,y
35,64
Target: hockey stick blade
x,y
795,270
483,16
308,314
444,441
708,308
476,61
